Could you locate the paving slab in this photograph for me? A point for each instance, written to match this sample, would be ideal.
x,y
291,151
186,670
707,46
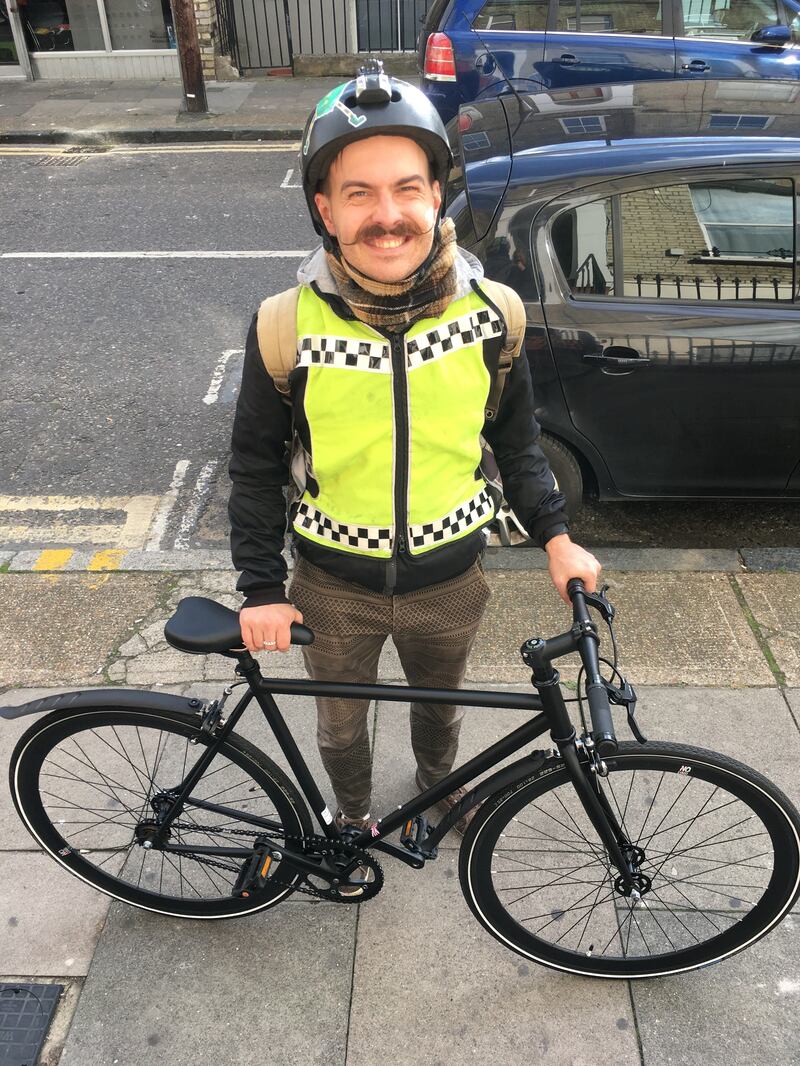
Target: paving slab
x,y
774,599
50,921
13,834
431,985
793,699
672,628
739,1012
271,988
58,628
752,725
527,557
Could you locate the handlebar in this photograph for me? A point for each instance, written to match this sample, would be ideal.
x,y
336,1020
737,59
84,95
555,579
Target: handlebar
x,y
301,634
596,694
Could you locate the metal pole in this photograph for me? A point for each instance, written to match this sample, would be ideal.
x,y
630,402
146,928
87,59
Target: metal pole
x,y
194,86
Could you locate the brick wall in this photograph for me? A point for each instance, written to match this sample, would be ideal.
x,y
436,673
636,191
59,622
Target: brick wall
x,y
205,13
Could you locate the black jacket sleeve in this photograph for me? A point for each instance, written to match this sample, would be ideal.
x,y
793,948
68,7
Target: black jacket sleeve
x,y
528,483
259,470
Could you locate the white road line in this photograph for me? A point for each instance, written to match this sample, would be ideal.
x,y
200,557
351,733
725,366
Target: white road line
x,y
192,512
168,501
138,512
219,372
287,181
155,255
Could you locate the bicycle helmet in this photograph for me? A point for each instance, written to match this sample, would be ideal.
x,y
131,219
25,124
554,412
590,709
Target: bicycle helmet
x,y
371,103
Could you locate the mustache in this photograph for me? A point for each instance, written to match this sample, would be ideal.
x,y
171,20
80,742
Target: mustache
x,y
373,231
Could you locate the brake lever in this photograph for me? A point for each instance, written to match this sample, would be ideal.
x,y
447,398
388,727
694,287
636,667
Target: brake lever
x,y
624,695
598,600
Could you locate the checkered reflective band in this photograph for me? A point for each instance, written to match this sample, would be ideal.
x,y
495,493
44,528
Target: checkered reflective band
x,y
450,336
362,538
474,512
344,353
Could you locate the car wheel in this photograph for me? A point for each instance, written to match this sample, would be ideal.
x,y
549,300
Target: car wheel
x,y
566,471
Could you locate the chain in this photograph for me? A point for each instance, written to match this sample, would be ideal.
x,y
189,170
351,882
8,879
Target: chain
x,y
322,846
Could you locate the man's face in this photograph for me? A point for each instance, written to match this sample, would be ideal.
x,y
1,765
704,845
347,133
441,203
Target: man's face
x,y
381,206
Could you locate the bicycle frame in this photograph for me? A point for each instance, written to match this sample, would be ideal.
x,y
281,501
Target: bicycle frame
x,y
552,715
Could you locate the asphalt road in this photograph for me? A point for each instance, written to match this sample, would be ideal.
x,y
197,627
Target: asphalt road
x,y
120,373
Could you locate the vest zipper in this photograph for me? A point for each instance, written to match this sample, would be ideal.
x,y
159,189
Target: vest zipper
x,y
401,430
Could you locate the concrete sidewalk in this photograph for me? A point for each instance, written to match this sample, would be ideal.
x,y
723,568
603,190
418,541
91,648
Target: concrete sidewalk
x,y
409,975
95,112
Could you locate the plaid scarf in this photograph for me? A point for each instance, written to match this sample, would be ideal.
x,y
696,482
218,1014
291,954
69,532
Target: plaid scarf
x,y
395,305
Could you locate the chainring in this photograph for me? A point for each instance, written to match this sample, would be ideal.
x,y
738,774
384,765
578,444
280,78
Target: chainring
x,y
340,853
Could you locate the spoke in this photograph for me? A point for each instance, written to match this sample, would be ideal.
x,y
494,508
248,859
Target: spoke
x,y
650,808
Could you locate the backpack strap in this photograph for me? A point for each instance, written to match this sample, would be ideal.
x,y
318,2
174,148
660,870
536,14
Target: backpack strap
x,y
512,309
277,336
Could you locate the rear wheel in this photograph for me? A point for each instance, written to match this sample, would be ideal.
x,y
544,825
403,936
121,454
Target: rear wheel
x,y
89,785
715,843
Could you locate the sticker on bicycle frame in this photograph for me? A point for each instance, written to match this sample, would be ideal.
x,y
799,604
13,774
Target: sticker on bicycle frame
x,y
327,817
332,102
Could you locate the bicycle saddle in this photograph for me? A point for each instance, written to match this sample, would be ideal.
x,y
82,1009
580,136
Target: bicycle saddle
x,y
200,626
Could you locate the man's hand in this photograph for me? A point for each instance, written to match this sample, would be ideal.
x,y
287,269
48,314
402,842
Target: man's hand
x,y
567,560
267,628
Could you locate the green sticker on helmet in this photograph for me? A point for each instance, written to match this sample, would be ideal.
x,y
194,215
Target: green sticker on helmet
x,y
332,102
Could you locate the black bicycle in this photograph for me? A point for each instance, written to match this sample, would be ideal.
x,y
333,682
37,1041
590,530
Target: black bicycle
x,y
612,860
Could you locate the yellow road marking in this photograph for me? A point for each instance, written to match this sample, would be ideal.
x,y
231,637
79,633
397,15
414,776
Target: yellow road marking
x,y
147,149
106,560
53,559
132,533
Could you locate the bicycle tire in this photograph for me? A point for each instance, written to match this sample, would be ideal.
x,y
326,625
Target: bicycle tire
x,y
536,877
86,751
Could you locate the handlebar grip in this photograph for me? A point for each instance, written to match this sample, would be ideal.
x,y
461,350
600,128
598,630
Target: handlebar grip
x,y
575,584
301,634
602,723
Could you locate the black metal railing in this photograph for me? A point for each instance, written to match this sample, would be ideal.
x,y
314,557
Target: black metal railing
x,y
268,34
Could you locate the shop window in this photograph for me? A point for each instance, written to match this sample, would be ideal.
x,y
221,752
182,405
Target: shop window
x,y
140,24
610,16
8,50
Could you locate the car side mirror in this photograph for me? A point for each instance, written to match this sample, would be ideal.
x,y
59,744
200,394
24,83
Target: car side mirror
x,y
774,35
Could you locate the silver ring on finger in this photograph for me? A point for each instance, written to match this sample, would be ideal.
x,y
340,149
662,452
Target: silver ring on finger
x,y
270,643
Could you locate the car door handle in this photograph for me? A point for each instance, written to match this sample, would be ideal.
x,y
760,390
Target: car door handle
x,y
696,66
617,355
568,60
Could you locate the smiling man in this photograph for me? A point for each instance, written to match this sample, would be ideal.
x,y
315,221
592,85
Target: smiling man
x,y
397,351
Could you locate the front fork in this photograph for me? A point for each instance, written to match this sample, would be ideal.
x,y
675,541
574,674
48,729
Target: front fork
x,y
586,783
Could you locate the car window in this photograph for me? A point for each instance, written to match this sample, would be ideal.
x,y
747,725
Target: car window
x,y
704,240
732,19
610,16
583,242
522,15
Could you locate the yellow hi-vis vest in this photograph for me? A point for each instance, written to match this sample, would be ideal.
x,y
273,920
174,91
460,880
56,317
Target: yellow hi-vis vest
x,y
394,427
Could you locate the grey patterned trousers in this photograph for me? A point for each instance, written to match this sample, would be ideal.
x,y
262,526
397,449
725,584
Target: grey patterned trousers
x,y
433,630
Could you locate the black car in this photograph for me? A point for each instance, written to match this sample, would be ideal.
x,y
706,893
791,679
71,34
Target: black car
x,y
651,230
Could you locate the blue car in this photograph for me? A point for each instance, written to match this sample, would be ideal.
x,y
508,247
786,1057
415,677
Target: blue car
x,y
470,49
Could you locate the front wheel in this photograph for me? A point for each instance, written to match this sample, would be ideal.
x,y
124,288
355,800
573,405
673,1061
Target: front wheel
x,y
716,846
90,785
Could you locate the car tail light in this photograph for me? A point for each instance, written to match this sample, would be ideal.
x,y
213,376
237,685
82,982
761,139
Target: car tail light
x,y
440,64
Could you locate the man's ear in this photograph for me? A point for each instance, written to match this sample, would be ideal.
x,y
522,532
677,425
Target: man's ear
x,y
324,209
437,194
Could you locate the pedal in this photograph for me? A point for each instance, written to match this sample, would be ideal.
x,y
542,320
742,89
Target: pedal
x,y
254,873
414,834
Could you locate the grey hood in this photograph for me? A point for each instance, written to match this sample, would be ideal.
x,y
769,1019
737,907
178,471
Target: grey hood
x,y
315,268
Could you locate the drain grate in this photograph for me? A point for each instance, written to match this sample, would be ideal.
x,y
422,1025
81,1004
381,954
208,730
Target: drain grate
x,y
58,160
25,1015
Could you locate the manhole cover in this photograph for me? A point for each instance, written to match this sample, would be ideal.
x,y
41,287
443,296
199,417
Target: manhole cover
x,y
25,1015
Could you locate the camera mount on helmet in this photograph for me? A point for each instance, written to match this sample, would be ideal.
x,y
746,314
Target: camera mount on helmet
x,y
371,104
